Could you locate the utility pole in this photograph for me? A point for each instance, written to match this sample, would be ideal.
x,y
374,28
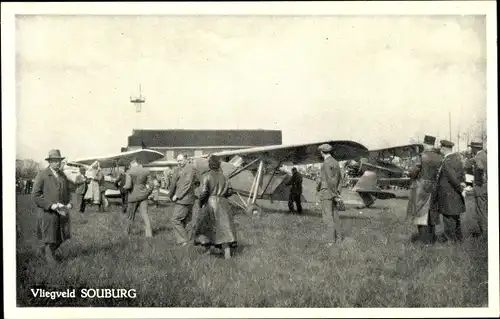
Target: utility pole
x,y
138,101
482,133
449,123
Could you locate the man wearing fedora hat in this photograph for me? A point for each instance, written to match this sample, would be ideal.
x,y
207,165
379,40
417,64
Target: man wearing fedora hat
x,y
480,170
329,191
451,183
422,205
52,196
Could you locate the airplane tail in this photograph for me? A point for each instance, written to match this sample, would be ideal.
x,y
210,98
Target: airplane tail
x,y
368,189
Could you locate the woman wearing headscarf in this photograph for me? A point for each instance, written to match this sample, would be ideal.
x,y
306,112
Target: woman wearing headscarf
x,y
216,225
93,193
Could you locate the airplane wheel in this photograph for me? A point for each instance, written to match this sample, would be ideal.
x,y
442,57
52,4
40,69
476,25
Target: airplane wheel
x,y
254,210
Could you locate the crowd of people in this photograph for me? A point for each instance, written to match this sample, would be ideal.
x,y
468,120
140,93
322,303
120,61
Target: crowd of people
x,y
437,189
212,226
24,186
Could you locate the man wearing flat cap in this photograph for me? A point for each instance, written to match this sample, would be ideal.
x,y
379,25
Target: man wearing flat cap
x,y
81,188
480,170
52,196
329,191
137,199
451,183
422,205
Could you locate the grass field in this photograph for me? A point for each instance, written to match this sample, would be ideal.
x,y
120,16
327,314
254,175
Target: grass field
x,y
281,262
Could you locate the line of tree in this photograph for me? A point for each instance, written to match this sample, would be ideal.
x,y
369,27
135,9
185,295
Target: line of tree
x,y
26,169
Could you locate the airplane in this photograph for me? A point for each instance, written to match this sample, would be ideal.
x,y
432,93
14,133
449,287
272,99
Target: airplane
x,y
378,171
256,173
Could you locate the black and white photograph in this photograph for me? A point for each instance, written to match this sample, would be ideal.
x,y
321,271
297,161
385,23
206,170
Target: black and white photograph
x,y
290,158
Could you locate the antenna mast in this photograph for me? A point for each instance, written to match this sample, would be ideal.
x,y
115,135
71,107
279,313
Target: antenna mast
x,y
138,100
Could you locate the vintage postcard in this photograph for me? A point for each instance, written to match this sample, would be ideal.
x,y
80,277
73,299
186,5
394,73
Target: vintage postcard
x,y
256,159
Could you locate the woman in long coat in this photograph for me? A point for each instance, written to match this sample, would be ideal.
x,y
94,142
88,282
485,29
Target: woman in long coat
x,y
93,193
216,226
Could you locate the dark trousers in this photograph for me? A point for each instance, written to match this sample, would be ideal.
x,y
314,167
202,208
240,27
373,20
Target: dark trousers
x,y
426,234
124,194
452,228
80,202
294,198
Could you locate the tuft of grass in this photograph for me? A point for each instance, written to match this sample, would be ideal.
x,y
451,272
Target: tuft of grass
x,y
281,261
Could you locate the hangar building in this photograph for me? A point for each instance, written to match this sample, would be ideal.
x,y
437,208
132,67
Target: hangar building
x,y
200,142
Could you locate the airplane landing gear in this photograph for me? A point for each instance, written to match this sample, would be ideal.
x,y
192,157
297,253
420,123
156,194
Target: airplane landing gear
x,y
254,210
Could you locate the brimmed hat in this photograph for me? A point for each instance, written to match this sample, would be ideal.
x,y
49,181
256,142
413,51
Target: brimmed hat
x,y
445,143
54,154
429,140
325,148
476,145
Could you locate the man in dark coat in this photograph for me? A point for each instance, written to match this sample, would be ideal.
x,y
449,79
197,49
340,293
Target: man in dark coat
x,y
423,205
329,191
81,188
120,183
138,197
295,191
480,170
182,194
52,196
451,184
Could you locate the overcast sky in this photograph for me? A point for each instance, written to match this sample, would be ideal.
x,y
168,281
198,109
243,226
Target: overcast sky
x,y
376,80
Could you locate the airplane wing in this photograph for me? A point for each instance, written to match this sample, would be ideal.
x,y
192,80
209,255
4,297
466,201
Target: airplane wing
x,y
143,156
298,154
402,151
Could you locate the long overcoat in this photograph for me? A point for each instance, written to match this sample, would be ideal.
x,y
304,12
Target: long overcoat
x,y
52,228
215,221
449,191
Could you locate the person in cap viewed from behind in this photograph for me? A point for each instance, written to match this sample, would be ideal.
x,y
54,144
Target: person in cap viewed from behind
x,y
182,194
215,226
52,196
121,183
138,197
480,171
295,191
451,184
328,187
81,182
422,206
